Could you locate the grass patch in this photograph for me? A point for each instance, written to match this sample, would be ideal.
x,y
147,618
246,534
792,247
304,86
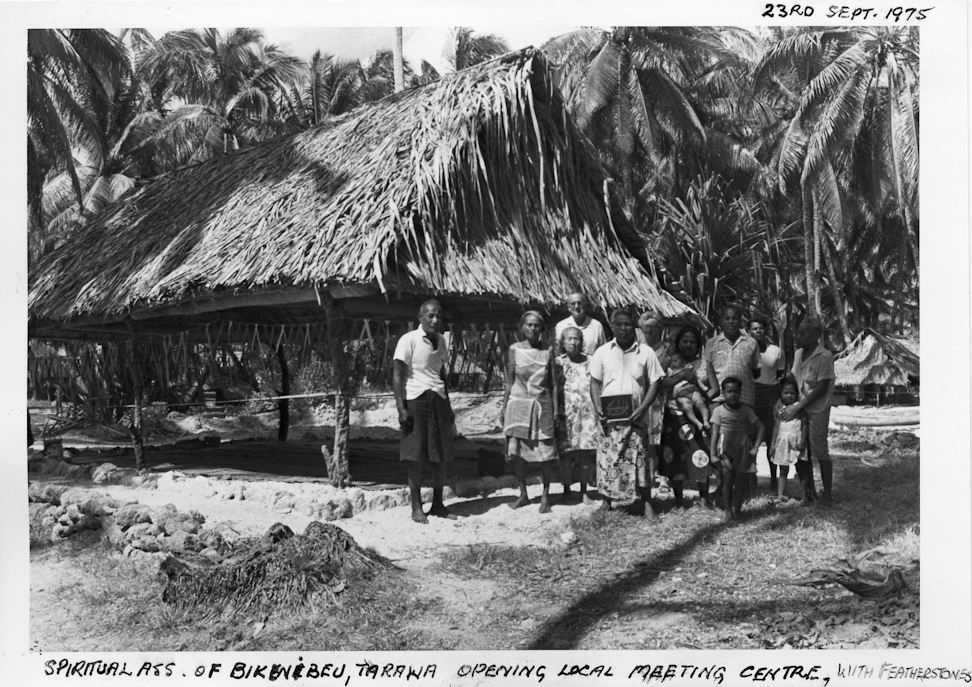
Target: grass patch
x,y
688,580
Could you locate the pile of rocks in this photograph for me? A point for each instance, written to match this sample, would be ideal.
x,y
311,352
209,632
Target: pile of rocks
x,y
135,527
58,511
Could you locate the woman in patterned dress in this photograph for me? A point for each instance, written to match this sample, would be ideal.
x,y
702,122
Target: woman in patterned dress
x,y
577,427
529,407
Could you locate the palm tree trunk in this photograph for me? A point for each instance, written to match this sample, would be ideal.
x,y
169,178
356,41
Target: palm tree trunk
x,y
818,229
399,61
813,288
838,299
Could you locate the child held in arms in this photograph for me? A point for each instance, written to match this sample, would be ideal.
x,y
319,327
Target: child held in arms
x,y
733,451
789,444
688,394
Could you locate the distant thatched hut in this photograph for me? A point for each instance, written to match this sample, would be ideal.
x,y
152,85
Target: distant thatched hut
x,y
876,367
478,189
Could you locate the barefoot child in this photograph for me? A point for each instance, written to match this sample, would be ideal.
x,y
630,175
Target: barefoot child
x,y
789,444
730,446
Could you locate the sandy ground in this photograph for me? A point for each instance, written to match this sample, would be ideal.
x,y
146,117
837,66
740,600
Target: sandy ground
x,y
391,531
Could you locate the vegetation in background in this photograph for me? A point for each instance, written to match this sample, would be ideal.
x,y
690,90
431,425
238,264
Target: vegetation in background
x,y
812,132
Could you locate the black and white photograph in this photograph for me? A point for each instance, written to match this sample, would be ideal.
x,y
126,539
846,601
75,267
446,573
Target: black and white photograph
x,y
596,334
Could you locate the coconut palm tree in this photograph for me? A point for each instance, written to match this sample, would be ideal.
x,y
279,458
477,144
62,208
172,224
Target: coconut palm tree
x,y
849,147
217,91
73,81
630,90
464,48
327,86
379,76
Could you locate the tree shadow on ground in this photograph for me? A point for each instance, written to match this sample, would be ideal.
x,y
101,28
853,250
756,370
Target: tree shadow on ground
x,y
566,629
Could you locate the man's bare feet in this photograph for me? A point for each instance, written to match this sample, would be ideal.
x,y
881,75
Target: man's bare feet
x,y
419,517
588,501
544,504
440,511
522,501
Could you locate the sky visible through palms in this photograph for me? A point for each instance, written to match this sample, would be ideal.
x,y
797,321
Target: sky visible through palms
x,y
418,43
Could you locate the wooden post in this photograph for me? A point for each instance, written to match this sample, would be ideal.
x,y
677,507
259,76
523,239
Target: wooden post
x,y
489,361
136,429
336,335
283,405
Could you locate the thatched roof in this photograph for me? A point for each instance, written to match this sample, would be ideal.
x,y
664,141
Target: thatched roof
x,y
873,358
478,189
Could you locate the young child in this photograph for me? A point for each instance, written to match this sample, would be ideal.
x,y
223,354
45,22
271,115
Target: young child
x,y
731,447
687,393
789,444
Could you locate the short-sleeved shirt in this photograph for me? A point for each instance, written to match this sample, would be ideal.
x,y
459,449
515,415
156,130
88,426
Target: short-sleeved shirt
x,y
817,367
730,421
423,363
770,363
625,371
592,331
734,359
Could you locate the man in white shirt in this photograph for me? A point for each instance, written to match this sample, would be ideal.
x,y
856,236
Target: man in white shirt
x,y
591,329
424,411
813,367
624,368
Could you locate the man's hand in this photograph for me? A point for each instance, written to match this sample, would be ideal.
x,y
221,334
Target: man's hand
x,y
790,412
406,420
637,415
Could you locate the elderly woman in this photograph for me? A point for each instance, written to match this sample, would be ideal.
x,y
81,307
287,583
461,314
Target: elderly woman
x,y
530,407
577,429
652,326
625,377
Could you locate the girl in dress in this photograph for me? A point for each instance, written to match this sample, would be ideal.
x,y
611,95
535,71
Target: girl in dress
x,y
577,424
529,407
789,444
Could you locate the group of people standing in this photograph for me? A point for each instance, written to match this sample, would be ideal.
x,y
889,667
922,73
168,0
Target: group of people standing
x,y
596,408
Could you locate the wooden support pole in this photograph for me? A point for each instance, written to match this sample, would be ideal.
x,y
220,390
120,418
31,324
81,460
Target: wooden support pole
x,y
337,334
283,405
489,361
136,428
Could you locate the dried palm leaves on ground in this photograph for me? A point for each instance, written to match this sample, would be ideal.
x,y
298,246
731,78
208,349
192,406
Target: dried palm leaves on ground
x,y
876,572
280,571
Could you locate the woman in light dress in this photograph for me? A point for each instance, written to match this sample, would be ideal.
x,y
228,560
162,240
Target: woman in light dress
x,y
530,407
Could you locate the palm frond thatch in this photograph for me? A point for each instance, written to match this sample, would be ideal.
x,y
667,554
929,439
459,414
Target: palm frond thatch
x,y
873,358
478,186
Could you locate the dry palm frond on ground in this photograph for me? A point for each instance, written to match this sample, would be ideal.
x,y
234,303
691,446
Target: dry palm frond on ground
x,y
279,571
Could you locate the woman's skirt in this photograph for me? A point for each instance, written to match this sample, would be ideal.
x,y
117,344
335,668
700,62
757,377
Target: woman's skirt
x,y
621,464
531,450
